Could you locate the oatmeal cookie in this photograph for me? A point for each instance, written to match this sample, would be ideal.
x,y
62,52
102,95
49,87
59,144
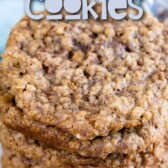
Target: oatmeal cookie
x,y
88,78
27,153
3,81
126,141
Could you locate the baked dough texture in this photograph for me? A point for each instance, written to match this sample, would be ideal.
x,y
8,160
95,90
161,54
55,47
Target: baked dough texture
x,y
85,94
23,152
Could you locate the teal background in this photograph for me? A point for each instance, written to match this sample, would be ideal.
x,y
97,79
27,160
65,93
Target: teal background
x,y
11,11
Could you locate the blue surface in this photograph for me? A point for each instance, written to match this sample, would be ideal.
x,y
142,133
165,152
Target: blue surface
x,y
11,11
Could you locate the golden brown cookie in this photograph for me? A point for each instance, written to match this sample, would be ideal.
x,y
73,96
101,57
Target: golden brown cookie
x,y
27,153
88,78
126,141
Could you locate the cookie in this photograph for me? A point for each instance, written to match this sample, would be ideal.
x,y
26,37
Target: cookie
x,y
88,78
25,152
126,141
3,81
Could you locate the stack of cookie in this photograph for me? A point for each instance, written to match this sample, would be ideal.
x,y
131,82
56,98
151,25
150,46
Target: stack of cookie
x,y
85,94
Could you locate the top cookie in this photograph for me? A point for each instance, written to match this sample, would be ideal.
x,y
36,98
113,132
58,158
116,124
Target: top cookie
x,y
90,77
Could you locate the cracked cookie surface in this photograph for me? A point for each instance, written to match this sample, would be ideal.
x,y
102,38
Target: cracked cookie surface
x,y
88,78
